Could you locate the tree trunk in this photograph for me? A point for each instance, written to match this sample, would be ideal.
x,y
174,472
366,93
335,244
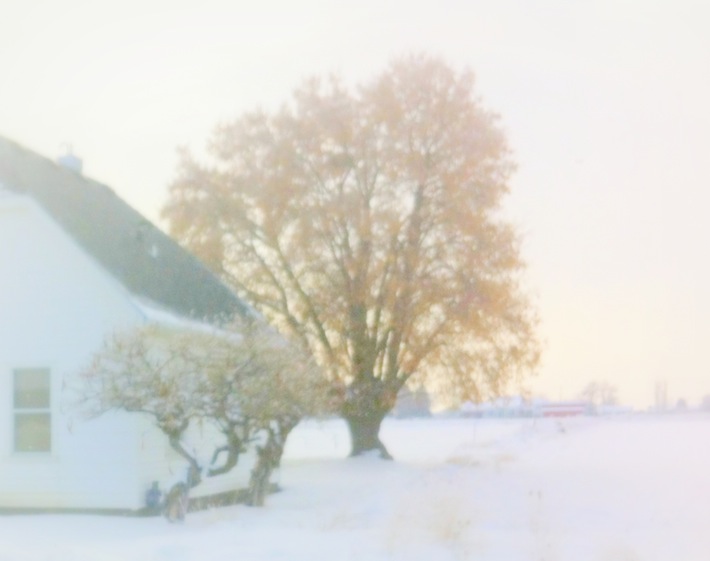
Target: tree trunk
x,y
259,482
365,433
367,401
177,502
268,459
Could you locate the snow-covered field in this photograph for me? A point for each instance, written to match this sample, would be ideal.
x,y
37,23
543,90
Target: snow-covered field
x,y
624,488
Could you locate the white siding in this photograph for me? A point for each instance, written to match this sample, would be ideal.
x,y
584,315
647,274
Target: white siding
x,y
56,306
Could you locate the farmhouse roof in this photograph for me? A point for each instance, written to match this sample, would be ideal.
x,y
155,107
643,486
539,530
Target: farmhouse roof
x,y
147,262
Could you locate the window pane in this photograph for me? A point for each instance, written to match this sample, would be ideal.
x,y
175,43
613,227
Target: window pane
x,y
32,432
31,388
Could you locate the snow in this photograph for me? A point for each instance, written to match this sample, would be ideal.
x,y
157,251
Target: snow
x,y
625,488
154,313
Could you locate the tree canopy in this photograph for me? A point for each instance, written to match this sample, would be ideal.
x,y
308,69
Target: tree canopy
x,y
242,380
364,222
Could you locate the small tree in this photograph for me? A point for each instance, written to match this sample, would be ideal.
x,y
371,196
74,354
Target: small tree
x,y
600,394
242,378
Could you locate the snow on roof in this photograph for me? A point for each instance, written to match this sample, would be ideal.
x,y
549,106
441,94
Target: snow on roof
x,y
153,313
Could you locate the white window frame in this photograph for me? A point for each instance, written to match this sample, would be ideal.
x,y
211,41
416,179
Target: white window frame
x,y
44,409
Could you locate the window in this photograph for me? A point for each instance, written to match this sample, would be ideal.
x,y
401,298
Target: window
x,y
31,405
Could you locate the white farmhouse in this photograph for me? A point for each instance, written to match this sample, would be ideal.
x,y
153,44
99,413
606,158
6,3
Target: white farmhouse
x,y
76,263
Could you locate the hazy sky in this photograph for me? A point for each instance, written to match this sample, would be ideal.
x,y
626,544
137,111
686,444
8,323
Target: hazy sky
x,y
606,104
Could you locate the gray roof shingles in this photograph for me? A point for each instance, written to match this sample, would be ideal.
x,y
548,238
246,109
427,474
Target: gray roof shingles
x,y
147,262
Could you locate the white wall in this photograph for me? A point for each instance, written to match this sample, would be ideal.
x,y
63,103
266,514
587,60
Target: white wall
x,y
56,306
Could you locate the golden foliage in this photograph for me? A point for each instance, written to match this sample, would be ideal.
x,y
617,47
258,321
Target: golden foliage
x,y
365,223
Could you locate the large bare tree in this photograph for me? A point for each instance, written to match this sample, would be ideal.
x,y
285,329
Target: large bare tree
x,y
365,223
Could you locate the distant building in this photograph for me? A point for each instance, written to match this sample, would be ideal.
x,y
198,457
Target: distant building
x,y
566,409
516,406
502,407
412,403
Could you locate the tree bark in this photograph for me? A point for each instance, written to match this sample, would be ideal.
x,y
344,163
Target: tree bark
x,y
234,447
367,401
364,429
194,472
268,459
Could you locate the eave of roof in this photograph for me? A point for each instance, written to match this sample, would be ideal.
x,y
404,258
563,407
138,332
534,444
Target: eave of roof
x,y
146,261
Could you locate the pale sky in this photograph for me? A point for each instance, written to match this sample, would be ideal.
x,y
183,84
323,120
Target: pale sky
x,y
606,104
